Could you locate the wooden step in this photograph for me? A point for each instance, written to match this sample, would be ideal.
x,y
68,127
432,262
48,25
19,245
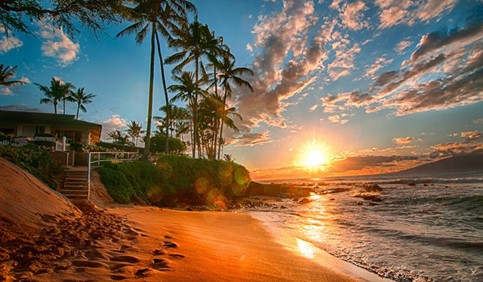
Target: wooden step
x,y
75,185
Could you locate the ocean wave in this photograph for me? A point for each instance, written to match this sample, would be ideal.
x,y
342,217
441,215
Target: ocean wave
x,y
468,203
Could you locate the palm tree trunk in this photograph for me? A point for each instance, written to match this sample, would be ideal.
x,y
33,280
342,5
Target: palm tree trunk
x,y
168,109
64,104
195,113
55,108
147,146
77,115
216,118
221,126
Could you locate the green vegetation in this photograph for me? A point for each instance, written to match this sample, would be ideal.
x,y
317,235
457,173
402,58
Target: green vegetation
x,y
176,181
158,141
35,160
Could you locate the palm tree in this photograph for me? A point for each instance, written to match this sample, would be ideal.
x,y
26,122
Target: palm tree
x,y
81,98
6,74
176,121
229,74
56,92
158,16
119,138
194,42
186,90
134,130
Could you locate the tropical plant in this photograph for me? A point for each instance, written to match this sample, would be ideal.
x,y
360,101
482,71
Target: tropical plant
x,y
57,91
119,138
194,43
134,131
157,16
6,75
230,76
81,98
211,112
19,14
177,122
176,146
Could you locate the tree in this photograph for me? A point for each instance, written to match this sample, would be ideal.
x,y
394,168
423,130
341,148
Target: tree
x,y
193,42
134,130
7,73
56,92
185,90
176,145
176,121
119,138
157,16
15,15
81,98
229,74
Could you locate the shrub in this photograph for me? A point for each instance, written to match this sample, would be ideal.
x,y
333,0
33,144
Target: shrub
x,y
117,185
175,180
34,160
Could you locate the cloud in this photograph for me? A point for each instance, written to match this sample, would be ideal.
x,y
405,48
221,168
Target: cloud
x,y
394,12
471,135
377,65
434,8
8,43
401,46
456,148
445,71
115,122
478,121
337,119
250,139
434,41
344,61
351,15
347,100
365,162
57,45
286,63
402,140
6,91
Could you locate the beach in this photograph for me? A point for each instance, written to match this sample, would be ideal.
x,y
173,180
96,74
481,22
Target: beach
x,y
46,238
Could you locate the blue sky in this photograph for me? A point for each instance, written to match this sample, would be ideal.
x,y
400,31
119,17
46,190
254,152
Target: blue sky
x,y
359,79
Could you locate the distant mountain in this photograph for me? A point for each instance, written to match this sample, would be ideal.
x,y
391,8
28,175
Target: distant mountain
x,y
471,162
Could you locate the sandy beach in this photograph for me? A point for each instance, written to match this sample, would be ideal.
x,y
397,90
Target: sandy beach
x,y
46,238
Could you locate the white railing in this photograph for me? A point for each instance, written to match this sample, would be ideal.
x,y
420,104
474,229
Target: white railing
x,y
96,158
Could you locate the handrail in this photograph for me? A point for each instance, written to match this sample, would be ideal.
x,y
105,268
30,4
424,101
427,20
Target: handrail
x,y
118,157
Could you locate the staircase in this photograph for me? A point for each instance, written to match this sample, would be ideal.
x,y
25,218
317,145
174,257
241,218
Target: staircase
x,y
75,186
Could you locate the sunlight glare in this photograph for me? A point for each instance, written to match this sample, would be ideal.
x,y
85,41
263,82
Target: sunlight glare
x,y
313,154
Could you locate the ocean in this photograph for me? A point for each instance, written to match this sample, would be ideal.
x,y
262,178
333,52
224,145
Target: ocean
x,y
404,228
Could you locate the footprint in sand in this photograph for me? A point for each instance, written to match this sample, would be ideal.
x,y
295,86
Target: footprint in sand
x,y
141,272
168,244
118,277
91,264
160,264
129,259
158,252
176,255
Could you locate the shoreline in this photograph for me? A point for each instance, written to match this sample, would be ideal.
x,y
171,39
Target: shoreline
x,y
309,251
232,247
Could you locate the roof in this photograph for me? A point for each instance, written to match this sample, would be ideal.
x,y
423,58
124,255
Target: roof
x,y
43,118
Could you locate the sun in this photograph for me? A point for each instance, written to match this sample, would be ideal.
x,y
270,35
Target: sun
x,y
313,154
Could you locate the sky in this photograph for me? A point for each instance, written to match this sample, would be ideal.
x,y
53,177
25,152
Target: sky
x,y
367,86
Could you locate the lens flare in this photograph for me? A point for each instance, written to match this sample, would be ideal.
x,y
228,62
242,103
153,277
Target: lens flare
x,y
313,154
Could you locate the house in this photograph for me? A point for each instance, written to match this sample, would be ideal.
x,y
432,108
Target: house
x,y
41,125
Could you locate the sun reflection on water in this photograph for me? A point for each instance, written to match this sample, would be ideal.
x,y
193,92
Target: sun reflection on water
x,y
306,249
